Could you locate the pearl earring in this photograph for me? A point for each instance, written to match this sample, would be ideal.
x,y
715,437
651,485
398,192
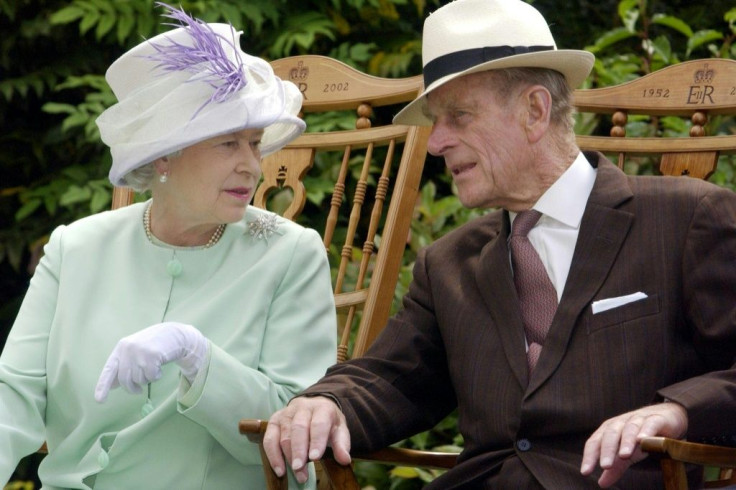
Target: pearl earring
x,y
163,178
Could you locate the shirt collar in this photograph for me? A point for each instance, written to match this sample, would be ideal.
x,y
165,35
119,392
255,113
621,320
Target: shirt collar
x,y
565,200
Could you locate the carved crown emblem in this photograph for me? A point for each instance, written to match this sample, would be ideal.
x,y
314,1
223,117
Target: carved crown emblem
x,y
299,72
704,75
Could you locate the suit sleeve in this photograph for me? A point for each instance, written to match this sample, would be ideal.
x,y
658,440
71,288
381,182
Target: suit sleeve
x,y
299,344
401,385
709,291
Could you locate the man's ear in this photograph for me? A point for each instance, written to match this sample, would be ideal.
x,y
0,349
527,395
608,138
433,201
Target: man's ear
x,y
538,105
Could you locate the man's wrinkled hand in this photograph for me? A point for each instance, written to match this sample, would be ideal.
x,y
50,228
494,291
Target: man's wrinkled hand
x,y
301,431
615,445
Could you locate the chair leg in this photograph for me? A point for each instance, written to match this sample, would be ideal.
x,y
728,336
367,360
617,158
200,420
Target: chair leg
x,y
338,476
674,474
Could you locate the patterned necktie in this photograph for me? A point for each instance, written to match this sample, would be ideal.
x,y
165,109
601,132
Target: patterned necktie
x,y
537,295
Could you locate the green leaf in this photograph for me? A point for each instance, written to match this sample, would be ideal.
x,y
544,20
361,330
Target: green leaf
x,y
75,194
51,203
74,120
89,20
730,17
27,209
662,48
66,15
106,24
700,38
628,11
610,38
76,173
100,200
58,108
405,472
675,23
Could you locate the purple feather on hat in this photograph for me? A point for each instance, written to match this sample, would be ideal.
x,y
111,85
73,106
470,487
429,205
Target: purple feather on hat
x,y
206,57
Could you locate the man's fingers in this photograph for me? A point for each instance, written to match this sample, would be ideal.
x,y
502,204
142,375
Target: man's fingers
x,y
341,444
272,446
322,426
609,446
298,439
612,474
301,432
591,453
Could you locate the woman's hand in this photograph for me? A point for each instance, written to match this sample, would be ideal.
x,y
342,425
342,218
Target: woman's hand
x,y
136,360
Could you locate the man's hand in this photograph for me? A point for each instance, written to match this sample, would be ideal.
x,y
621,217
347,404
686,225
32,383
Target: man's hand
x,y
302,430
615,445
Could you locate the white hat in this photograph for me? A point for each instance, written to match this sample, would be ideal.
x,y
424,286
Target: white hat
x,y
189,85
469,36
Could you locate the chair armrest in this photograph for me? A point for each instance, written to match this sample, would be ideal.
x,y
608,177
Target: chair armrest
x,y
400,456
691,452
342,476
674,453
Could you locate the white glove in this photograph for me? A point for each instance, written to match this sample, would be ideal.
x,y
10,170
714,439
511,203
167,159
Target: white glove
x,y
137,359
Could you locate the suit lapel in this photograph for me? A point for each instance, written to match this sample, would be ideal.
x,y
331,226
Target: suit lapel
x,y
602,233
496,285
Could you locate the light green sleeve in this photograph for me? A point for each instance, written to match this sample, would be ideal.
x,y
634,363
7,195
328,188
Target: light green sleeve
x,y
23,364
298,346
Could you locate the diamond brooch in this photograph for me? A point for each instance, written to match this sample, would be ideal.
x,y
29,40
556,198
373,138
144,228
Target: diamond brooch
x,y
264,226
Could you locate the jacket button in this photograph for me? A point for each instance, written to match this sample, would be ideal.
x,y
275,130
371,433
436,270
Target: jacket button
x,y
174,268
523,445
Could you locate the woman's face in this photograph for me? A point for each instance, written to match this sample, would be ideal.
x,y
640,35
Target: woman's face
x,y
212,182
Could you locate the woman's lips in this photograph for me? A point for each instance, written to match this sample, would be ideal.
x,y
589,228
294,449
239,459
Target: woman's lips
x,y
240,193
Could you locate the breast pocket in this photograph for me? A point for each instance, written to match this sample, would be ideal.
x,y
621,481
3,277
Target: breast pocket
x,y
625,313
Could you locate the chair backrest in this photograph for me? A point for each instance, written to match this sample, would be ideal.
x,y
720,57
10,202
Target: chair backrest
x,y
369,204
699,90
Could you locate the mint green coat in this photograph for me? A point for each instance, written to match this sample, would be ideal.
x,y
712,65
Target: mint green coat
x,y
265,304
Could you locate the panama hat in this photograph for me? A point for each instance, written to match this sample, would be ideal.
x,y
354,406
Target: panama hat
x,y
188,85
470,36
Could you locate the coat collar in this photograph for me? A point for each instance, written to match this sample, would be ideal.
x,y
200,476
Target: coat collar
x,y
602,233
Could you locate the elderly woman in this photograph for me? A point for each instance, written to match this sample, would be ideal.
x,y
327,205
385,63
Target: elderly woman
x,y
198,306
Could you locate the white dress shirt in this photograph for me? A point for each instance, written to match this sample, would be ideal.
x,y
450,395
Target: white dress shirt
x,y
562,206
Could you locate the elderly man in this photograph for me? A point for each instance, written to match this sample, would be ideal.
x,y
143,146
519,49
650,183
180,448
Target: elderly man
x,y
589,310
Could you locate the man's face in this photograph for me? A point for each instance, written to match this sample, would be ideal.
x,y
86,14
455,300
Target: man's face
x,y
482,140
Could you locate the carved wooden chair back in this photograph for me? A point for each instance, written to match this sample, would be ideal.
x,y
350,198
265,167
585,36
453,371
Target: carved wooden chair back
x,y
376,176
701,92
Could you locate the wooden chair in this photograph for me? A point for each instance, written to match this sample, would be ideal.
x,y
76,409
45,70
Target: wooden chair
x,y
375,190
700,91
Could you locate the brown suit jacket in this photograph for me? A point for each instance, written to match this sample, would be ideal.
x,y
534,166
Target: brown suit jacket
x,y
459,343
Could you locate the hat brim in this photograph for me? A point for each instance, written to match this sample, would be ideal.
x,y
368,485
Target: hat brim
x,y
575,65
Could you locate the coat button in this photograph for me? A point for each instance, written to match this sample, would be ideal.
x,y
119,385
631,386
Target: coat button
x,y
174,268
523,445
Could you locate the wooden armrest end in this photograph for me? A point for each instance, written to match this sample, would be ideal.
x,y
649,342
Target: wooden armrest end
x,y
253,429
691,452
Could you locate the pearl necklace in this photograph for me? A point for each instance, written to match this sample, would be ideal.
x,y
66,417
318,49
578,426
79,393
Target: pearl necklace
x,y
147,226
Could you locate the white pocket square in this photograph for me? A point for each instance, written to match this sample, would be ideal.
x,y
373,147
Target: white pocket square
x,y
610,303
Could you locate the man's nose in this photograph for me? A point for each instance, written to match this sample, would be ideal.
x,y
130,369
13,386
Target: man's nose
x,y
439,140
